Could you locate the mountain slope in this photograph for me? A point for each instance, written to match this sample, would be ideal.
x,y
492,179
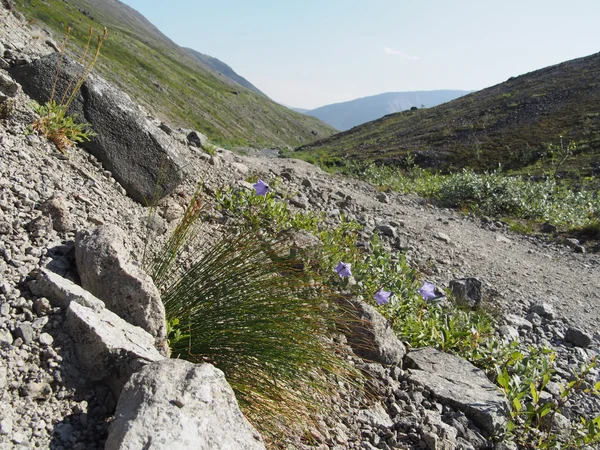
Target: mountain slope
x,y
170,82
219,66
346,115
517,123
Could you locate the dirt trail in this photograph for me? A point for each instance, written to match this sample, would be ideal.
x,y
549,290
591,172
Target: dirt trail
x,y
520,270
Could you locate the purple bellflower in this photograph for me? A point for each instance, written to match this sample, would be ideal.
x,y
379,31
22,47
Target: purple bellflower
x,y
427,291
382,297
343,270
261,187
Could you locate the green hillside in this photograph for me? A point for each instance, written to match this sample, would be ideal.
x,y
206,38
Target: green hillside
x,y
518,124
170,82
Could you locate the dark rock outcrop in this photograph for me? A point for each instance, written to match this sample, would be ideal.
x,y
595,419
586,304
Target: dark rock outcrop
x,y
141,156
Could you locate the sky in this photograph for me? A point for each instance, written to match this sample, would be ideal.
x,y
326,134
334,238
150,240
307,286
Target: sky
x,y
310,53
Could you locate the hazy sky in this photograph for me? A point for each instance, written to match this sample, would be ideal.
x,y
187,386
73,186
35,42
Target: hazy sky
x,y
309,53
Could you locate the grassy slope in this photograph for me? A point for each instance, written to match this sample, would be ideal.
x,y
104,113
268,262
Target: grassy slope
x,y
170,82
511,123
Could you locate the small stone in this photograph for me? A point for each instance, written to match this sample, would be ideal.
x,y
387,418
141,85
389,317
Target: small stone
x,y
544,310
442,237
6,338
386,230
578,337
46,339
549,228
518,322
6,426
25,332
382,197
510,333
42,306
307,183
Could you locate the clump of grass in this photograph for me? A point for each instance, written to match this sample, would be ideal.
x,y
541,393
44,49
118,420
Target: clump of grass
x,y
54,122
210,149
242,304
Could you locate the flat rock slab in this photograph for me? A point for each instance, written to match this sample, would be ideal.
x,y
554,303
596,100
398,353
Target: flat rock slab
x,y
459,384
108,348
174,404
61,292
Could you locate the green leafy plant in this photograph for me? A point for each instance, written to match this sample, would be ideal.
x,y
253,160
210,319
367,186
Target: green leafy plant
x,y
54,122
523,378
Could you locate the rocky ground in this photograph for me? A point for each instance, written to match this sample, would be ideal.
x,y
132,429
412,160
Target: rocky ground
x,y
46,197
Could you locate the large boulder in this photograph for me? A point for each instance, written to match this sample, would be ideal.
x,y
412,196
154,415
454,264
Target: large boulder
x,y
174,404
107,272
141,156
109,349
371,336
459,384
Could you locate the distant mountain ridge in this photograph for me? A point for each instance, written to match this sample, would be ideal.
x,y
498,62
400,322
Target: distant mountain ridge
x,y
346,115
520,125
221,67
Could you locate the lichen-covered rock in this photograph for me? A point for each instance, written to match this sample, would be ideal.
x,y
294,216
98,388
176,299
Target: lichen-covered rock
x,y
108,273
108,348
176,404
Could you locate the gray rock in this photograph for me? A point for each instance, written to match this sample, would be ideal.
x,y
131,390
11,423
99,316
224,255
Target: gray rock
x,y
578,337
459,384
45,339
8,85
467,291
518,322
177,404
25,332
196,139
375,416
3,375
108,348
443,237
58,210
382,197
141,157
544,310
386,230
509,332
549,228
371,336
6,338
307,183
61,291
107,272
